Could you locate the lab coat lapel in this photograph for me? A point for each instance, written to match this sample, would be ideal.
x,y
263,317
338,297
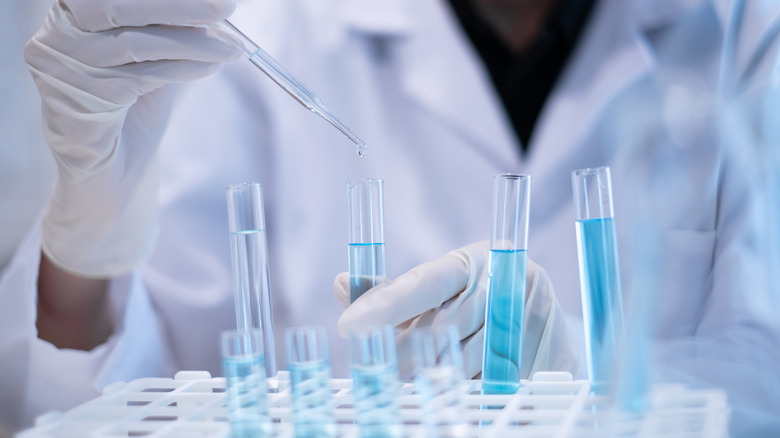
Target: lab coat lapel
x,y
439,71
611,55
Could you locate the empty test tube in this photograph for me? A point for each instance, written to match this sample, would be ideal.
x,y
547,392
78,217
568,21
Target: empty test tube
x,y
366,235
308,362
375,382
504,313
242,364
439,380
599,273
250,265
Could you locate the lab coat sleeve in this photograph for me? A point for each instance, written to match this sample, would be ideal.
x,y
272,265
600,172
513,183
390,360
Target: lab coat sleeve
x,y
36,377
738,341
737,344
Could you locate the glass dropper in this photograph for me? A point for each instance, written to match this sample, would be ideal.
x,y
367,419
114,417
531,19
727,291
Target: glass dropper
x,y
286,80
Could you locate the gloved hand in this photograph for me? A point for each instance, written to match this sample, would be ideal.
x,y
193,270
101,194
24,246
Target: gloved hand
x,y
101,67
453,290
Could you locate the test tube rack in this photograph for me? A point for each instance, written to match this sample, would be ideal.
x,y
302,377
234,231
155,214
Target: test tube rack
x,y
193,404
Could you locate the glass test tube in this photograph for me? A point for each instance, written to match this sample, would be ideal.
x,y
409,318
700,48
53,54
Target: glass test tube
x,y
309,364
599,274
250,265
505,309
439,379
366,235
375,381
242,364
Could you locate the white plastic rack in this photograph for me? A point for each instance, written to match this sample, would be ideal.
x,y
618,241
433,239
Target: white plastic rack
x,y
192,404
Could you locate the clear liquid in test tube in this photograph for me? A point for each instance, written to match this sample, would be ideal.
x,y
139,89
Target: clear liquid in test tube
x,y
599,274
504,313
249,253
366,235
246,391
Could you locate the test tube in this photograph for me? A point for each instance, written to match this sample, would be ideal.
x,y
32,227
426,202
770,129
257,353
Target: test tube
x,y
375,381
504,313
366,235
242,364
599,273
439,380
309,364
250,265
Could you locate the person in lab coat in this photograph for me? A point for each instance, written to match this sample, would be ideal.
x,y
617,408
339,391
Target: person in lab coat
x,y
139,207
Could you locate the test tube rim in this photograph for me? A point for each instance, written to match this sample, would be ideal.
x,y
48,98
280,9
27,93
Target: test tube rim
x,y
510,175
242,184
354,181
517,243
582,205
374,188
258,347
591,171
321,332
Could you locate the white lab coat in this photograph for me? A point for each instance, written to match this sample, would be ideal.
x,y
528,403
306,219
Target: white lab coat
x,y
404,77
27,168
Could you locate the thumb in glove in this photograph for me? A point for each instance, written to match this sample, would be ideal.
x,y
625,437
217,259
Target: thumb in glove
x,y
453,291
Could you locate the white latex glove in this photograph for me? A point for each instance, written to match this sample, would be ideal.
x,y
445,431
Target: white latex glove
x,y
100,67
453,290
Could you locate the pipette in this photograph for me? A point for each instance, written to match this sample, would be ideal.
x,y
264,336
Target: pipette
x,y
268,65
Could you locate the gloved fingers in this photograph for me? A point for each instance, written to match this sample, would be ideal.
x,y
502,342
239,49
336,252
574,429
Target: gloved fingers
x,y
404,342
546,342
555,351
118,47
150,75
540,298
341,288
466,311
535,277
404,350
425,287
471,348
107,14
100,96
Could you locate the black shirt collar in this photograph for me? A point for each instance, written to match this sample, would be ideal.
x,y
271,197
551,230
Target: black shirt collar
x,y
525,79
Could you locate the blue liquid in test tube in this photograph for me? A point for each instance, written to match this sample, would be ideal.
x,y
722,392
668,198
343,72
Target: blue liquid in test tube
x,y
375,389
504,323
504,314
311,399
600,294
244,371
375,382
309,365
366,236
599,275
